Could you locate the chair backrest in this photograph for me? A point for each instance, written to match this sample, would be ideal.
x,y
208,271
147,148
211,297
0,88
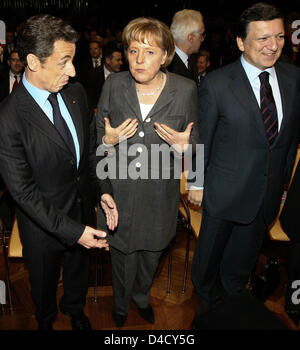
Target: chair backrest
x,y
191,213
276,232
15,246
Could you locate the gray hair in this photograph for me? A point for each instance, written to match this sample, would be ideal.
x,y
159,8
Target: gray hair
x,y
185,22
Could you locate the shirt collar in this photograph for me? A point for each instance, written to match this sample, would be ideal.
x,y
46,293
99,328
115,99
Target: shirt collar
x,y
41,96
253,72
183,56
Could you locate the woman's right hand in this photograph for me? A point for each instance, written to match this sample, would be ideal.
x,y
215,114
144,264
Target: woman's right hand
x,y
124,131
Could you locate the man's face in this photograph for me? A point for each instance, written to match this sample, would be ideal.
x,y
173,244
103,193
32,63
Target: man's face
x,y
54,73
263,44
114,63
196,39
16,66
95,50
202,64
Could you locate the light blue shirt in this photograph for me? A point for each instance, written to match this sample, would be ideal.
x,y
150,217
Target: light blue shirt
x,y
253,76
41,98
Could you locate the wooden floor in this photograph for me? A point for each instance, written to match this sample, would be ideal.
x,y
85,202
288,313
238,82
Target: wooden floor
x,y
173,311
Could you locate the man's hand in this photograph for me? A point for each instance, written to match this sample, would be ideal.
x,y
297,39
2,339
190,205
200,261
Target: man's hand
x,y
124,131
92,238
179,140
195,197
110,209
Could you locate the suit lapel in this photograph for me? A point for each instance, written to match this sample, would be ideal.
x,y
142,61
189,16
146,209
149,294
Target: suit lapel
x,y
164,99
243,91
32,112
131,98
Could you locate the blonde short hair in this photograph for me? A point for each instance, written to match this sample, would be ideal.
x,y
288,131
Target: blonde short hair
x,y
185,22
144,29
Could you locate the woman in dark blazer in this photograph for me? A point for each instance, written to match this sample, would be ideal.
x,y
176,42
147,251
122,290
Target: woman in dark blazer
x,y
146,107
290,223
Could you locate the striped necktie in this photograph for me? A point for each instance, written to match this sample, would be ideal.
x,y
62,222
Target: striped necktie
x,y
268,107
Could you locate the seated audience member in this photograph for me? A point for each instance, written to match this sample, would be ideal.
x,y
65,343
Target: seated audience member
x,y
203,64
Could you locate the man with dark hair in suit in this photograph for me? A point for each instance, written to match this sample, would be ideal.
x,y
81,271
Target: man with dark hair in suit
x,y
188,32
48,163
9,79
94,78
249,119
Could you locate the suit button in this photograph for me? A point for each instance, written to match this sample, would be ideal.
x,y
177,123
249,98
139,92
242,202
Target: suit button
x,y
141,134
78,178
148,120
79,200
140,149
138,164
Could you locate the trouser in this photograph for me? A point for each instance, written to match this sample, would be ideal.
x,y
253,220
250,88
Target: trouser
x,y
229,248
44,265
132,277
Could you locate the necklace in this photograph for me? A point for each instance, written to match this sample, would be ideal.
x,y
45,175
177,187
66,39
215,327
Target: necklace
x,y
154,91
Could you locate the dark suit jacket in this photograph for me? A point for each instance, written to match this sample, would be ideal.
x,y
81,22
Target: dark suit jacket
x,y
241,170
148,207
54,198
4,84
178,67
93,80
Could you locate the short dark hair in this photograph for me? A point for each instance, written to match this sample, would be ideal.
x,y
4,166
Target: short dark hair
x,y
109,49
39,33
260,11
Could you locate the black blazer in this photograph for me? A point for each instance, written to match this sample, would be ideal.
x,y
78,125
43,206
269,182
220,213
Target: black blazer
x,y
4,84
178,67
53,197
241,170
93,80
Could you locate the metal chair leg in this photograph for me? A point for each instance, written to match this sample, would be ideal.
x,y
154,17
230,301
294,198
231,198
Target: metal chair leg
x,y
187,255
96,277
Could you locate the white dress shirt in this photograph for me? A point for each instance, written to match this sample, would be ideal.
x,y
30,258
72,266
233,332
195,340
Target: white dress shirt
x,y
253,76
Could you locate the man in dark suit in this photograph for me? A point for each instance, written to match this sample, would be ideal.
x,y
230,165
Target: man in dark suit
x,y
48,162
9,79
188,32
249,129
94,78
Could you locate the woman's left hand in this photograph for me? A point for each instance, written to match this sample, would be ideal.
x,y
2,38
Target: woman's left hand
x,y
178,140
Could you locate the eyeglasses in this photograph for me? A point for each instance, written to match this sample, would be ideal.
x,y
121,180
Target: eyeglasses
x,y
202,35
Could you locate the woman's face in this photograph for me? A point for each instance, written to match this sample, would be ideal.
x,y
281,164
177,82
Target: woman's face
x,y
145,60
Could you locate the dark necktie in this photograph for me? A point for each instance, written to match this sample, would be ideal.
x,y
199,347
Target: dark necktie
x,y
61,124
268,107
15,84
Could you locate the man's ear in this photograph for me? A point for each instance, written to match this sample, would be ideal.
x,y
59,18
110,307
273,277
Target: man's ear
x,y
240,43
33,62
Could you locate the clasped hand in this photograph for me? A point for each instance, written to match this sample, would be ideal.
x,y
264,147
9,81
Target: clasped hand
x,y
92,238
